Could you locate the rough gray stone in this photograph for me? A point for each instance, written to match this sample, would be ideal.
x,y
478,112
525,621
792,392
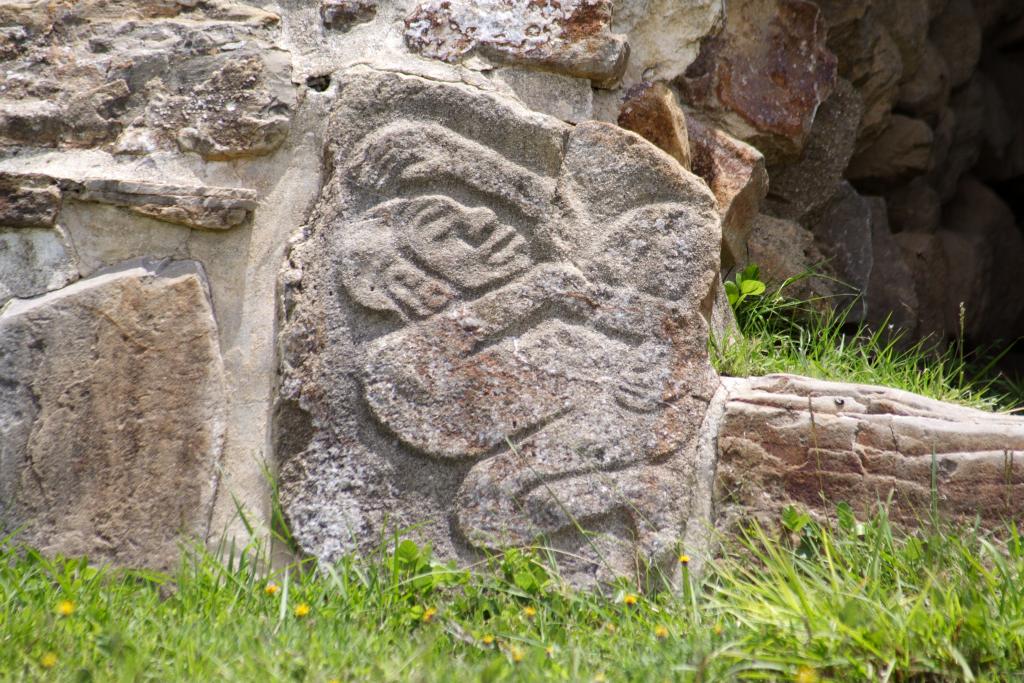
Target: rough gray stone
x,y
785,250
34,261
572,37
488,337
903,151
111,400
890,296
214,208
799,188
842,230
564,97
28,201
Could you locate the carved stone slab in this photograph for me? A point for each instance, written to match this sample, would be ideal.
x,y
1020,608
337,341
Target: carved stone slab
x,y
794,440
493,331
111,414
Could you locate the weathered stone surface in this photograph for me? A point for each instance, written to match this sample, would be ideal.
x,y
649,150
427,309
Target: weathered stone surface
x,y
957,37
214,208
341,15
925,256
877,79
784,249
926,92
985,279
903,151
564,97
1002,153
138,73
736,174
907,23
652,111
799,188
111,414
664,35
571,37
842,230
890,297
964,148
34,261
785,38
28,201
486,336
914,207
792,440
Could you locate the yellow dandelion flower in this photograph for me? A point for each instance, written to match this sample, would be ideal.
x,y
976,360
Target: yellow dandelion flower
x,y
630,599
718,629
550,651
684,559
806,674
429,613
65,608
517,654
610,627
302,610
660,631
488,639
271,588
48,660
530,612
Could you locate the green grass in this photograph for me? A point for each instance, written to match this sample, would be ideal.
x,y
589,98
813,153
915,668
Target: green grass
x,y
858,603
812,338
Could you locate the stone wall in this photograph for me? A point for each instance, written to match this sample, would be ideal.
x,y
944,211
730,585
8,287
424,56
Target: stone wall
x,y
392,250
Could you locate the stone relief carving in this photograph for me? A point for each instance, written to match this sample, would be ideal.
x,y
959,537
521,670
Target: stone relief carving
x,y
503,329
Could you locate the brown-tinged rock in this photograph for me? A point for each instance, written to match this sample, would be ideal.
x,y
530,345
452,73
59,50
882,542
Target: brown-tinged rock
x,y
572,37
925,256
956,34
877,79
968,133
842,230
781,39
785,250
901,152
736,174
652,111
787,440
799,188
985,279
28,201
914,207
111,415
341,15
926,92
907,23
890,297
1002,156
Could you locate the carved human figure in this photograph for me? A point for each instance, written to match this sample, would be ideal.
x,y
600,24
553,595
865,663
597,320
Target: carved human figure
x,y
552,347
